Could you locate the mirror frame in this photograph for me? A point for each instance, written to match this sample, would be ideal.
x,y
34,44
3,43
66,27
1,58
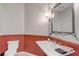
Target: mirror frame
x,y
73,23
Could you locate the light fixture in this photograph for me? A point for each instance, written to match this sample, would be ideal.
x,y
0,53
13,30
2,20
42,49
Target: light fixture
x,y
53,15
48,15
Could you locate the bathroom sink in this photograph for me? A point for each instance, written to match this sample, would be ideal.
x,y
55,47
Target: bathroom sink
x,y
52,49
45,46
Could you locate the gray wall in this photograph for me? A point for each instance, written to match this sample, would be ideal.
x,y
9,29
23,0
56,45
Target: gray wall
x,y
23,18
11,19
35,19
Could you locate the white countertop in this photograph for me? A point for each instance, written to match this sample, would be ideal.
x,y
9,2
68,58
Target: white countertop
x,y
49,48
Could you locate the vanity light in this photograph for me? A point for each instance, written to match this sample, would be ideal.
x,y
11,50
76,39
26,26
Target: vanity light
x,y
48,15
53,15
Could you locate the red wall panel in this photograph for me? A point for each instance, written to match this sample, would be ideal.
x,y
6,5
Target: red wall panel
x,y
5,38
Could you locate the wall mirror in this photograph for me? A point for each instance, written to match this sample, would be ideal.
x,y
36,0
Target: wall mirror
x,y
63,18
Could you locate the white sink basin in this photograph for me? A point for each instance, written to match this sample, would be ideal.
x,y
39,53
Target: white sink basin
x,y
49,48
